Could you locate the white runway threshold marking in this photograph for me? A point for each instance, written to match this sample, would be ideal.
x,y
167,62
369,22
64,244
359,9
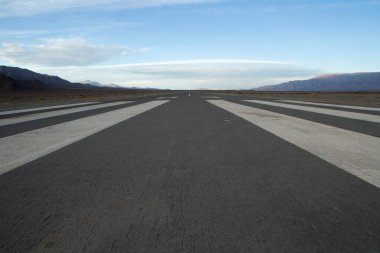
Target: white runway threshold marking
x,y
44,108
22,148
334,105
356,153
344,114
42,115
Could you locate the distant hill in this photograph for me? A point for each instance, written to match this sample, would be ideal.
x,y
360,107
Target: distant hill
x,y
97,84
13,78
335,82
6,83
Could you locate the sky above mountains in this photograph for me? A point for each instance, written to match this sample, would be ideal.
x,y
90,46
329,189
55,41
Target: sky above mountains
x,y
189,44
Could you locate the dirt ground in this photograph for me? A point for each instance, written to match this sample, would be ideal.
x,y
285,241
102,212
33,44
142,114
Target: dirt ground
x,y
25,99
36,98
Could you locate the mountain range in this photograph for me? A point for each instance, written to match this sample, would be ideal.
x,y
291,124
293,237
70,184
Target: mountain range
x,y
23,79
13,78
369,81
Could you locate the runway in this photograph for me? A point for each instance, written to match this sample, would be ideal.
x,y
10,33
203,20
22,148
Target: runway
x,y
193,172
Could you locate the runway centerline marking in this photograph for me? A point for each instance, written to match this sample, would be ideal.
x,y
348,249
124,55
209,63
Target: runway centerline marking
x,y
22,148
334,105
356,153
344,114
42,115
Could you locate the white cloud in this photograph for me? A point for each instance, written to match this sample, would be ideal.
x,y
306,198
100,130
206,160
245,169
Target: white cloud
x,y
61,52
205,73
27,7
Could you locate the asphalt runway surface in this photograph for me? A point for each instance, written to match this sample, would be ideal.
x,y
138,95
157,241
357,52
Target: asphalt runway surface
x,y
190,173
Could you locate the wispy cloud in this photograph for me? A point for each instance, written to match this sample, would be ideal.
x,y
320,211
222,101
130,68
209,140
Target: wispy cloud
x,y
61,52
351,3
192,74
281,6
26,7
6,33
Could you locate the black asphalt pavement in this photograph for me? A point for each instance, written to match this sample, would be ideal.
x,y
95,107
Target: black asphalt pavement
x,y
187,176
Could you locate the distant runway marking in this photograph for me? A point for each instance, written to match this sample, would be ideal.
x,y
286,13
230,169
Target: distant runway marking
x,y
42,115
335,105
344,114
22,148
167,97
43,108
356,153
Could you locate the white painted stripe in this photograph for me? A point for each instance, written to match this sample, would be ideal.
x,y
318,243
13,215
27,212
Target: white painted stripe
x,y
42,115
356,153
167,97
43,108
344,114
335,105
22,148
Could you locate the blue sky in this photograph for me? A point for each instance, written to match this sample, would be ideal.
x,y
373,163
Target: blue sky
x,y
190,44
